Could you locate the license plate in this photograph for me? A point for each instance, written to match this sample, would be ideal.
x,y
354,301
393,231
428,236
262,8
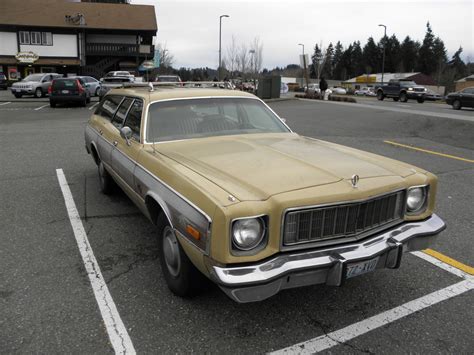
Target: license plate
x,y
361,268
17,90
65,91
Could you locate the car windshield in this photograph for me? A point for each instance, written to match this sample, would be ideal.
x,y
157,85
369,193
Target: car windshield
x,y
117,79
33,77
407,83
170,79
198,118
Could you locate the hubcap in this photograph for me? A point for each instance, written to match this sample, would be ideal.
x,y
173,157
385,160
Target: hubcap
x,y
171,252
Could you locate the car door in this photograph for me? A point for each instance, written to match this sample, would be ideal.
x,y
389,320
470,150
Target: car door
x,y
467,97
125,153
108,133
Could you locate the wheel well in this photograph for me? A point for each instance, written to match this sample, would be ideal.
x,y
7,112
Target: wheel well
x,y
95,155
153,207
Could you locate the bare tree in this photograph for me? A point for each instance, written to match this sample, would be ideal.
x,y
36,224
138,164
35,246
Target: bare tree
x,y
166,58
256,58
231,58
242,58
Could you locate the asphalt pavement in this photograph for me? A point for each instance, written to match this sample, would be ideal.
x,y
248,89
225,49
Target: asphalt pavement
x,y
47,304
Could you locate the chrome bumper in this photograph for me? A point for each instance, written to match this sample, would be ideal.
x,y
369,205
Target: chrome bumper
x,y
322,266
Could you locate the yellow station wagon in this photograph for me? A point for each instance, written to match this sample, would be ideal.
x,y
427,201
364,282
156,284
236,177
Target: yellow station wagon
x,y
239,198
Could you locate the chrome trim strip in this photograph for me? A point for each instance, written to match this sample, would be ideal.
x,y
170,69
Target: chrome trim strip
x,y
145,123
288,263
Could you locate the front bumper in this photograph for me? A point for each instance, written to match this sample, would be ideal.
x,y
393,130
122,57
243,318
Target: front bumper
x,y
415,95
322,266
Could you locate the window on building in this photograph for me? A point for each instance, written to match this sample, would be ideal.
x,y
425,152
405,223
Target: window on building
x,y
24,37
47,38
35,38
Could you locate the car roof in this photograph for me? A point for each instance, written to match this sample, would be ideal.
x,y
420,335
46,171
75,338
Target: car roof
x,y
170,93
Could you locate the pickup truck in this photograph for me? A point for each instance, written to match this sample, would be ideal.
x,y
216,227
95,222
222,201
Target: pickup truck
x,y
402,90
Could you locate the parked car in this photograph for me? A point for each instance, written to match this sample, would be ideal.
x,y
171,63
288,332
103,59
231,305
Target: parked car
x,y
120,73
168,79
338,90
3,82
92,85
68,90
239,198
312,89
431,95
365,91
463,98
402,90
34,84
107,83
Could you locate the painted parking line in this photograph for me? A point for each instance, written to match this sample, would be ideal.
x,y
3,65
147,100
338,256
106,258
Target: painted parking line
x,y
450,261
429,151
39,108
94,105
116,330
352,331
5,103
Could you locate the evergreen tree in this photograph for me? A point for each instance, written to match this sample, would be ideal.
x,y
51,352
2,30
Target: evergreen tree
x,y
392,55
327,68
408,54
338,50
345,66
357,60
457,64
316,60
426,64
372,57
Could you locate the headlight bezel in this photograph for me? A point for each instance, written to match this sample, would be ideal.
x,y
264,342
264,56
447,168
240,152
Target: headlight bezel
x,y
422,208
258,246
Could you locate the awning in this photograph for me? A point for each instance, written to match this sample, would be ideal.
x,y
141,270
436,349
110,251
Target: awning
x,y
42,61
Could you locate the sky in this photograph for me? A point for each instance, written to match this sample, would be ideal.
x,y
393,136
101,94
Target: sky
x,y
190,29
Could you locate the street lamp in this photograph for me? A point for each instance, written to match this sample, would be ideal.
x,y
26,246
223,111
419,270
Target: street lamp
x,y
304,66
220,41
383,56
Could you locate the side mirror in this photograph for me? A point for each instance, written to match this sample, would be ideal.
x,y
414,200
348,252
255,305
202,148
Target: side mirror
x,y
126,133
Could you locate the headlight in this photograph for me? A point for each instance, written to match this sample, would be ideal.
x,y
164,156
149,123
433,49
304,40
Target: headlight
x,y
247,233
410,89
416,198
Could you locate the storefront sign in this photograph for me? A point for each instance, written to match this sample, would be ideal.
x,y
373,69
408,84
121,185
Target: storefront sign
x,y
366,79
26,57
13,73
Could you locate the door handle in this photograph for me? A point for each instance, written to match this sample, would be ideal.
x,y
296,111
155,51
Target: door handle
x,y
101,132
115,143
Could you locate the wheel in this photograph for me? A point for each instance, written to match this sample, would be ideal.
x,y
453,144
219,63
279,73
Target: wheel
x,y
83,103
105,180
18,96
97,91
457,105
88,100
38,93
380,95
420,101
181,276
52,104
403,97
395,99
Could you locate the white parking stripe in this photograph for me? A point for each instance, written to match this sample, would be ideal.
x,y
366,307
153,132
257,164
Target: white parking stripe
x,y
118,335
39,108
5,103
343,335
94,105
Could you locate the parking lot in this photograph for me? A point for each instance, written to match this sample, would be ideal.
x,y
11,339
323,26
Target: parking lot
x,y
48,305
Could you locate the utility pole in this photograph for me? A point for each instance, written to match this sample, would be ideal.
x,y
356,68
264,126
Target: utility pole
x,y
305,66
220,46
383,56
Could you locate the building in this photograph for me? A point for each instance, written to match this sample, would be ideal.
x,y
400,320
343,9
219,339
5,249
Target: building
x,y
373,80
73,37
466,82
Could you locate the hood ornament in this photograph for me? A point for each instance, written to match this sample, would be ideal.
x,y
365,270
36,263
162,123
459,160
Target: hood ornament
x,y
354,180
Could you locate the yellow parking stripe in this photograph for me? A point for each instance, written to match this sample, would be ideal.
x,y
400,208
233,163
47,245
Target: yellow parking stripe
x,y
429,151
446,259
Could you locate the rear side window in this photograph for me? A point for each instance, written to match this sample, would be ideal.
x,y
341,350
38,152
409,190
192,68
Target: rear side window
x,y
108,107
119,117
134,118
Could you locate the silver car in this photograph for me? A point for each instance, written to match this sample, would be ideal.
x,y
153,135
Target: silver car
x,y
34,84
92,85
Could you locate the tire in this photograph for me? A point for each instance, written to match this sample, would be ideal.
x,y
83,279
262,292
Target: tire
x,y
380,95
18,96
52,104
39,93
84,102
457,105
88,100
181,276
420,101
395,99
106,182
403,97
97,91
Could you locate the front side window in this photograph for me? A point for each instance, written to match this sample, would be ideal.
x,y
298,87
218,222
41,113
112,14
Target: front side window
x,y
108,107
119,117
134,118
196,118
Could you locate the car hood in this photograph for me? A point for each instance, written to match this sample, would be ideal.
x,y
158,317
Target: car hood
x,y
25,83
255,167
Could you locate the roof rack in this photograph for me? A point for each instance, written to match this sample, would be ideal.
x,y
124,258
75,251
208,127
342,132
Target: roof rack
x,y
184,84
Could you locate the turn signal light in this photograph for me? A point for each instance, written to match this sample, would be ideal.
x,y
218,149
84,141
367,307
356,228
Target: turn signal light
x,y
193,232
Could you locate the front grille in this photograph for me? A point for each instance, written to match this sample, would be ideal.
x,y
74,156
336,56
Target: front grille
x,y
419,89
343,220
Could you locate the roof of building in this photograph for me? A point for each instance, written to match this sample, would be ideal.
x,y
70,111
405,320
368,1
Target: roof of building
x,y
52,13
467,78
386,76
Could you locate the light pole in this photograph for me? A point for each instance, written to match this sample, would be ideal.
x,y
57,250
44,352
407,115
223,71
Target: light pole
x,y
304,66
220,41
383,56
252,65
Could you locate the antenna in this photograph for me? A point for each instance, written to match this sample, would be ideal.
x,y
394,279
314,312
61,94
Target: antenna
x,y
150,85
